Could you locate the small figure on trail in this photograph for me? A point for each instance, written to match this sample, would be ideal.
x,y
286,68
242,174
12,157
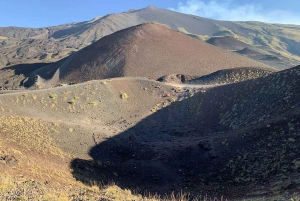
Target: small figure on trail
x,y
132,137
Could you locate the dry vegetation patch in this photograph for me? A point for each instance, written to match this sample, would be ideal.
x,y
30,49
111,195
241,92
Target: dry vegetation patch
x,y
30,133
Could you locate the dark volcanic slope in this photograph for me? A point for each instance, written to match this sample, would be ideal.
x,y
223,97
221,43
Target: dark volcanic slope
x,y
247,51
230,76
148,50
227,42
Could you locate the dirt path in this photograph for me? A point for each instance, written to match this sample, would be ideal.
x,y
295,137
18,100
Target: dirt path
x,y
196,86
193,85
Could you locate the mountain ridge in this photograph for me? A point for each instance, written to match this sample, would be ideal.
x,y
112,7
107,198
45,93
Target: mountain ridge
x,y
63,40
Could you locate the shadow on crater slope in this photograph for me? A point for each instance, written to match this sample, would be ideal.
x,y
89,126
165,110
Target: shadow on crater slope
x,y
17,75
232,140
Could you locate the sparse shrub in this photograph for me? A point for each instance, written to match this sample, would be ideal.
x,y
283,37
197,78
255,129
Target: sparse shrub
x,y
103,82
34,96
72,102
172,100
124,96
165,104
54,96
295,198
67,92
94,103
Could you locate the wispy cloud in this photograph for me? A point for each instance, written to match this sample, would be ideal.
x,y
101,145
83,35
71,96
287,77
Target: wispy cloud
x,y
229,10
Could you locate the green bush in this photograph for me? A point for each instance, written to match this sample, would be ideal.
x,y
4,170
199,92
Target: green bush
x,y
72,102
124,96
94,103
54,96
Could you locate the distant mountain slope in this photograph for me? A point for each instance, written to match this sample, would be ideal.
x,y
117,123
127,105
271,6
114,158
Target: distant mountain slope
x,y
227,42
28,45
247,51
150,50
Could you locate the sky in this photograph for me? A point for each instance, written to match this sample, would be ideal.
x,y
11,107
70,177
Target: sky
x,y
41,13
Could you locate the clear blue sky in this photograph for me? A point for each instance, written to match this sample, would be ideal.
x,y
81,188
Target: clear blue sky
x,y
41,13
